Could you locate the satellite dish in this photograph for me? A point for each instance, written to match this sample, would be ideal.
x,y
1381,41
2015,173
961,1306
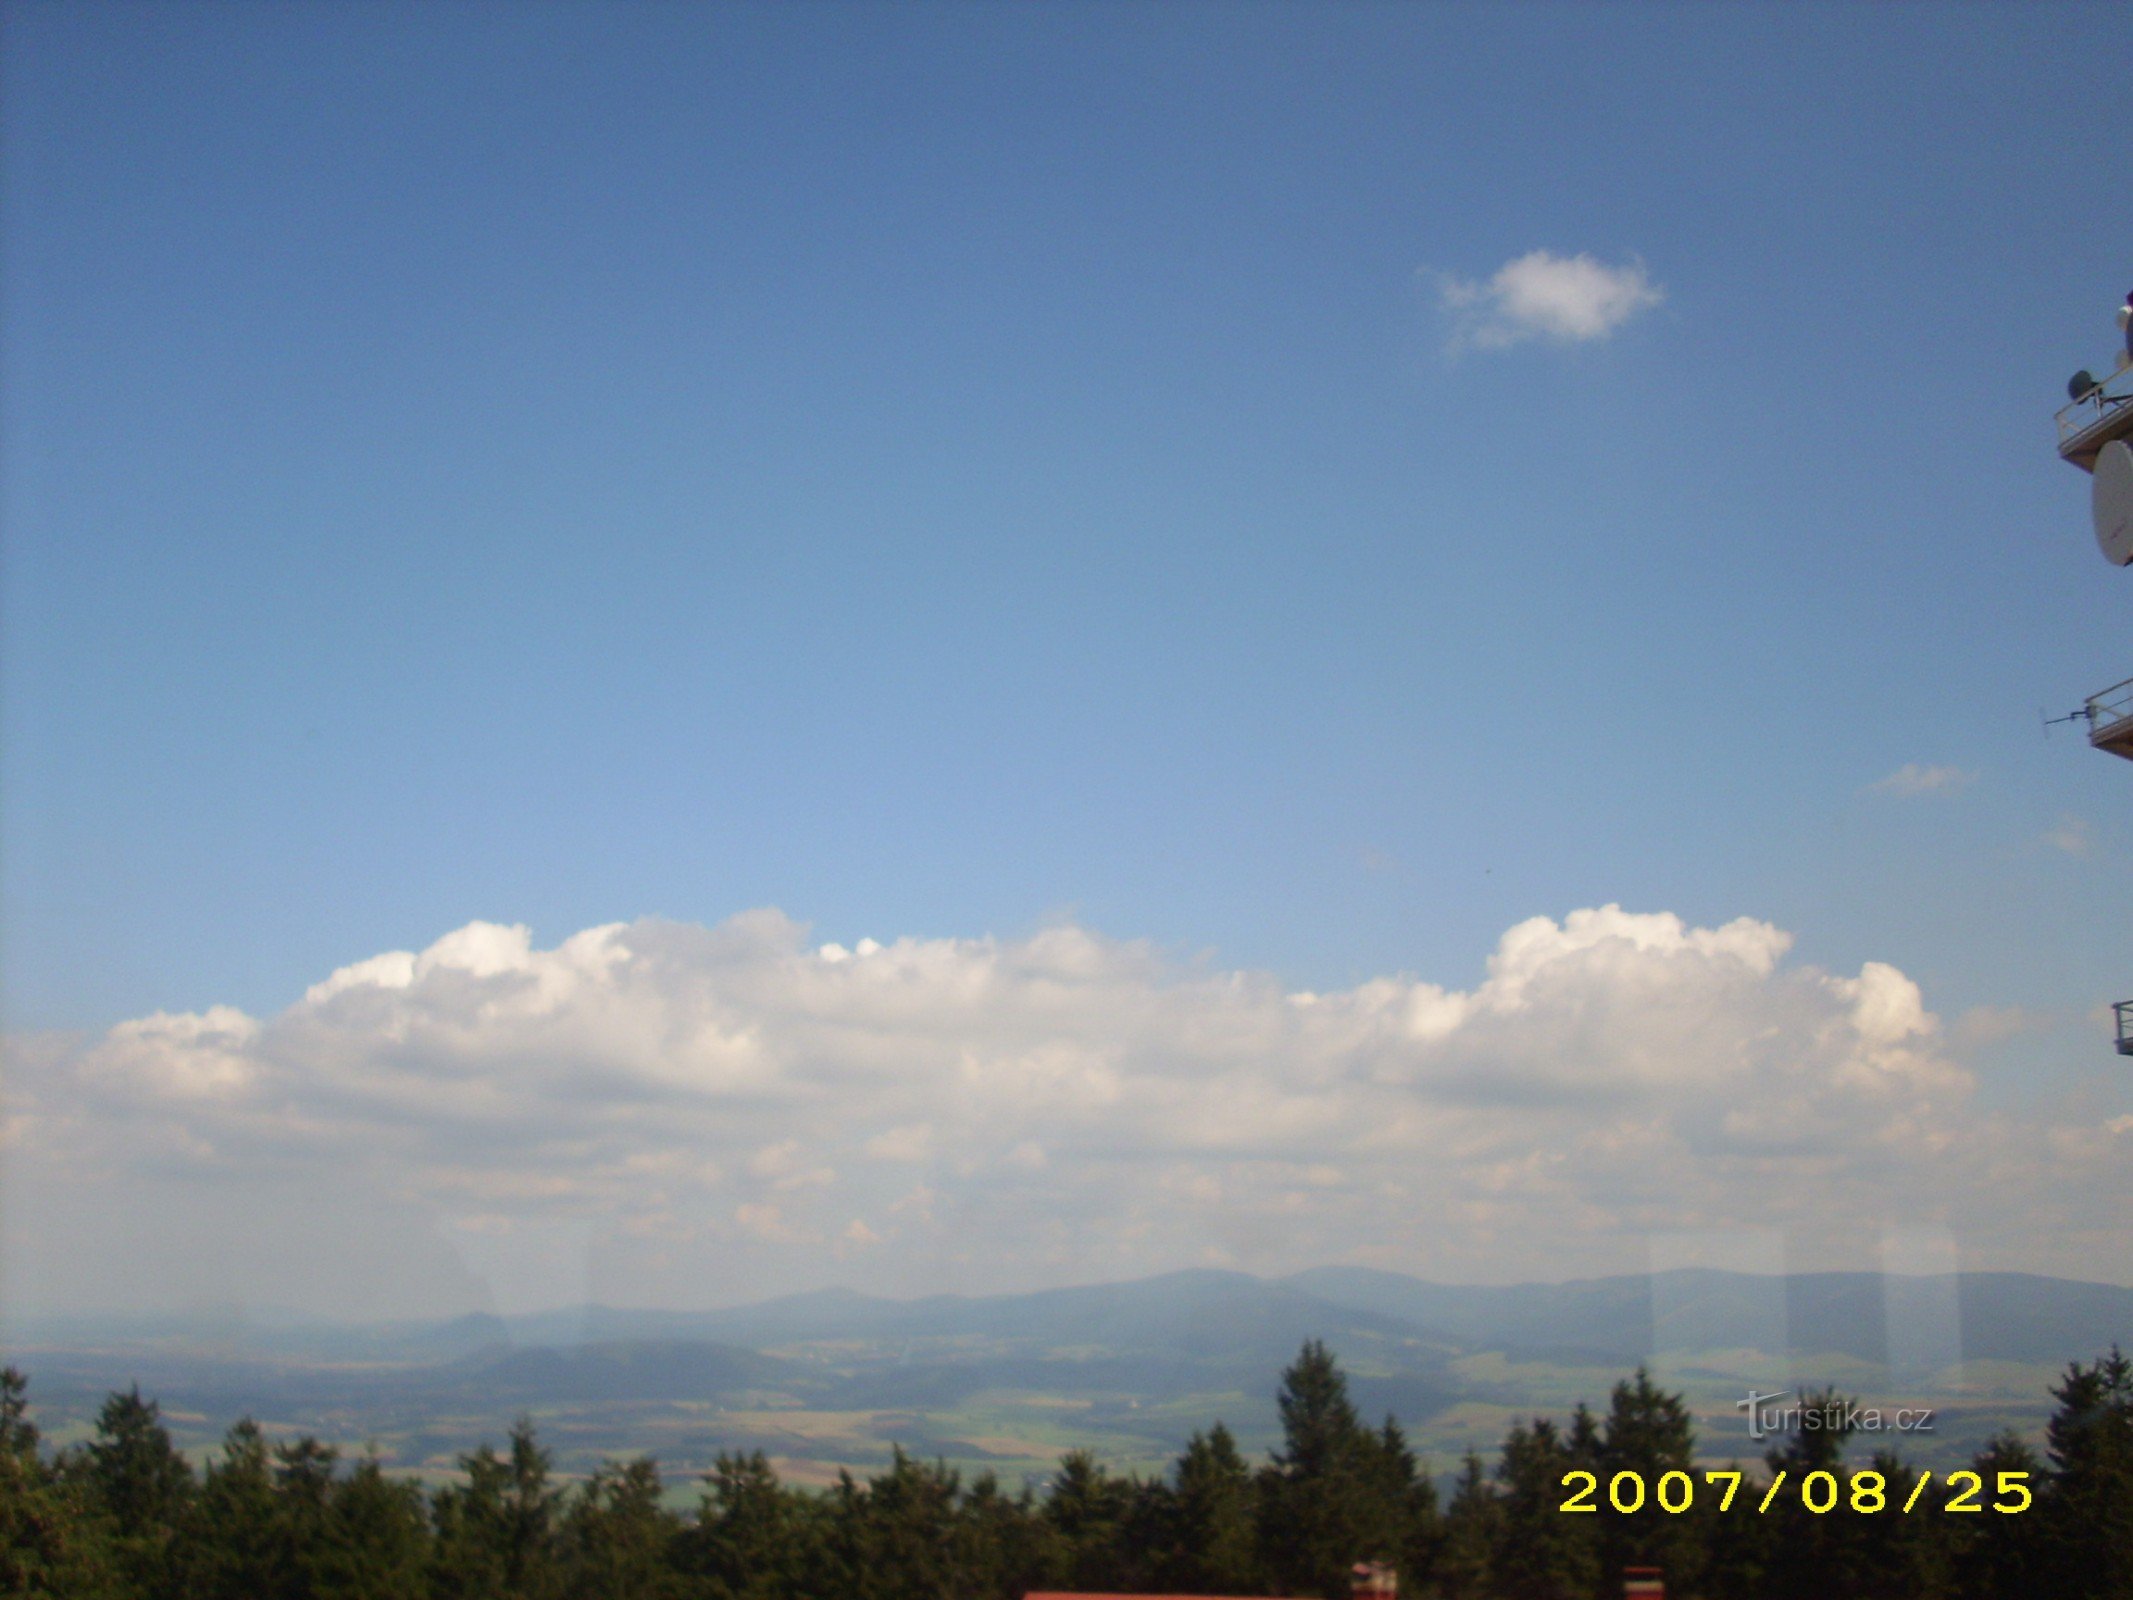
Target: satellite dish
x,y
2081,385
2111,497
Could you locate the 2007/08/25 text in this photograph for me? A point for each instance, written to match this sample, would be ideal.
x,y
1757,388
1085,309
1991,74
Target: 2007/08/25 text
x,y
1820,1492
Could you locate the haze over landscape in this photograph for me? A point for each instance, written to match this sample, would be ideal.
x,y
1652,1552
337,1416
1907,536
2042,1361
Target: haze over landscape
x,y
1312,666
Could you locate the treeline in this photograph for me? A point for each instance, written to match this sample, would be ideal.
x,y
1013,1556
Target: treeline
x,y
126,1517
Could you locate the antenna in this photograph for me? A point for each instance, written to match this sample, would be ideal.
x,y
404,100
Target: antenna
x,y
2083,714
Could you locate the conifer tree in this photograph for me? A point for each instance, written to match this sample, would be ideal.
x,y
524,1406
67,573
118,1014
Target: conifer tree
x,y
18,1435
1014,1550
1899,1556
898,1538
233,1548
1336,1493
616,1536
1088,1508
2004,1557
753,1539
1809,1553
2089,1513
1540,1551
132,1472
51,1541
381,1539
1473,1532
1648,1433
1215,1541
305,1526
495,1532
133,1469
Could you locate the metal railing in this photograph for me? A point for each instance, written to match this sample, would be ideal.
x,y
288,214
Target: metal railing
x,y
2110,707
2124,1012
2100,402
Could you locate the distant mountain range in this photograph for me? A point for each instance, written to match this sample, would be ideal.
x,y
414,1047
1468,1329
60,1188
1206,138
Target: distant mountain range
x,y
1206,1320
1123,1352
1990,1316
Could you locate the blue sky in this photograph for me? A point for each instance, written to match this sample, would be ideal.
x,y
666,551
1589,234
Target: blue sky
x,y
952,472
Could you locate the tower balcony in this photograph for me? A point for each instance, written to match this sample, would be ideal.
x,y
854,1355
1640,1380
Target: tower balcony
x,y
2110,717
2101,414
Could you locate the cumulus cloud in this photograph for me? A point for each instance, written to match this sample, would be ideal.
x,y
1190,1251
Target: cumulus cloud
x,y
1540,295
734,1105
1912,779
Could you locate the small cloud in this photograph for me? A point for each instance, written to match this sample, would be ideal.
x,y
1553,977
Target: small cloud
x,y
775,1160
913,1142
2071,834
918,1203
767,1224
1570,299
856,1238
1911,779
783,1166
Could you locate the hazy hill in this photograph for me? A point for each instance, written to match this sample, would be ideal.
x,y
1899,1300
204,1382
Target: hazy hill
x,y
646,1369
2001,1316
1206,1319
1127,1369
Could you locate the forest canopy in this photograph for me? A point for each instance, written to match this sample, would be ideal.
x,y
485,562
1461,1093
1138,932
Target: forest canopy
x,y
126,1516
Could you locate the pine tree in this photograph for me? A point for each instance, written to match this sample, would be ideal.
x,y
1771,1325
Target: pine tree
x,y
133,1469
899,1537
1648,1433
303,1513
1807,1553
1088,1508
2090,1508
52,1543
233,1548
1336,1493
1905,1558
1473,1532
1214,1546
495,1533
18,1435
132,1472
381,1539
2006,1557
1540,1552
616,1536
753,1539
530,1508
1013,1549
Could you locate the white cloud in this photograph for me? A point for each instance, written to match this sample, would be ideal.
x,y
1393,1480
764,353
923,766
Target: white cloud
x,y
2073,835
1911,779
732,1106
1569,299
913,1142
765,1222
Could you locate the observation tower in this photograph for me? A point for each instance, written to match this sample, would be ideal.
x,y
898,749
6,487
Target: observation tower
x,y
2096,435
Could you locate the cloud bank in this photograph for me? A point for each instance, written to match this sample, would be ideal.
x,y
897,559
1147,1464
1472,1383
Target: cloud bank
x,y
670,1113
1540,295
1911,780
